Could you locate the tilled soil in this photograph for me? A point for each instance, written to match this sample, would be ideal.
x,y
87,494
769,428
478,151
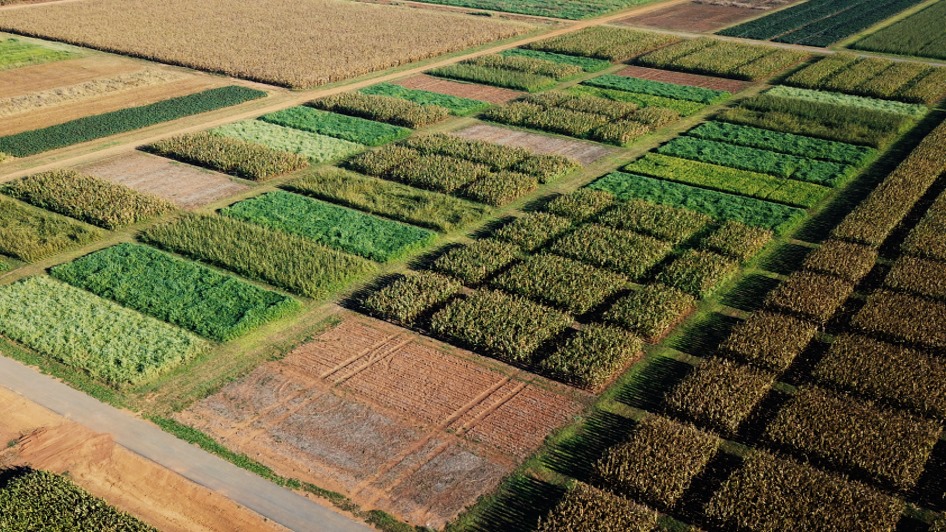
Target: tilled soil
x,y
393,420
682,78
484,93
692,16
583,152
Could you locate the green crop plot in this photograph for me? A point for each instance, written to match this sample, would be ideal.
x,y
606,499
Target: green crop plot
x,y
317,148
457,105
15,54
350,128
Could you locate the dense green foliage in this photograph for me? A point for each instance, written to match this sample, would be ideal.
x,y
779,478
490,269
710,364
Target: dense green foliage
x,y
719,205
457,105
698,273
819,22
874,77
90,334
651,310
248,160
736,240
392,200
581,205
287,261
31,234
507,327
87,198
588,64
723,58
920,34
623,251
195,297
657,88
386,109
682,107
592,357
39,500
404,299
660,221
317,148
533,230
350,128
604,42
103,125
338,227
847,100
510,79
473,263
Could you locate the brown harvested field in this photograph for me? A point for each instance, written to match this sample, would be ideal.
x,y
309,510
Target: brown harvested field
x,y
392,419
583,152
47,76
286,42
691,16
187,186
763,5
682,78
485,93
142,96
154,494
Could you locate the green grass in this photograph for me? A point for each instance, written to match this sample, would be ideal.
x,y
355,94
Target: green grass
x,y
31,234
846,100
108,342
683,107
389,199
195,297
657,88
920,34
15,54
317,148
509,79
457,105
338,227
588,64
287,261
95,127
719,205
350,128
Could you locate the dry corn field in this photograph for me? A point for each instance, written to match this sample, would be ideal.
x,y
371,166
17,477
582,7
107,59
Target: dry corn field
x,y
285,42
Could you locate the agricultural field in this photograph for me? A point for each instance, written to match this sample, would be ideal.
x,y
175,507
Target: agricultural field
x,y
918,35
555,9
592,277
273,43
819,22
697,17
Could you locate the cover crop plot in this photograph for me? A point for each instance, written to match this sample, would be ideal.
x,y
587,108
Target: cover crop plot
x,y
31,234
874,77
81,330
510,71
350,128
387,109
920,34
317,148
195,297
457,105
338,227
15,54
248,160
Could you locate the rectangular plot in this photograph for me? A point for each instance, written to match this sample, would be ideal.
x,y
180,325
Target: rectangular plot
x,y
31,234
187,186
494,95
583,152
683,78
317,148
210,303
339,227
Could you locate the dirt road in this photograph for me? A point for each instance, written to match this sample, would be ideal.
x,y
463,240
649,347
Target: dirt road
x,y
265,498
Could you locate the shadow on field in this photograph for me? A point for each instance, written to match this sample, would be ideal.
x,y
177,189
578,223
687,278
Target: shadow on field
x,y
930,491
11,474
646,389
576,456
749,293
703,335
784,259
518,506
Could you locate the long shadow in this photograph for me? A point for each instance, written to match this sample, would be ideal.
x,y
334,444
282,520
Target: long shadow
x,y
749,293
704,486
518,505
784,259
10,474
702,336
646,390
930,491
576,456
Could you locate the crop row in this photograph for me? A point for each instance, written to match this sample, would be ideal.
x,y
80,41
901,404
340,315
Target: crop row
x,y
386,198
241,158
719,205
191,296
510,79
587,64
66,324
725,179
873,77
455,104
334,226
723,58
919,34
87,198
32,234
103,125
604,42
681,107
585,506
314,147
39,500
872,221
925,239
846,101
658,88
350,128
387,109
287,261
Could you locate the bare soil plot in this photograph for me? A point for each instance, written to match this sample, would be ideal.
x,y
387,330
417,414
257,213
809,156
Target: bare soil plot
x,y
583,152
682,78
132,484
692,16
484,93
60,73
187,186
391,419
285,42
142,96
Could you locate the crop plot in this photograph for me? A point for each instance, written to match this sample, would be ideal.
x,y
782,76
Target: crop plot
x,y
15,53
484,93
565,10
317,148
723,58
692,16
682,78
919,34
583,152
187,186
874,77
31,234
272,43
392,420
819,22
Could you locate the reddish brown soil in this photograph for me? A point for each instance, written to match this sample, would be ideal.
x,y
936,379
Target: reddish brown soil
x,y
682,78
132,484
185,185
583,152
483,93
692,17
391,419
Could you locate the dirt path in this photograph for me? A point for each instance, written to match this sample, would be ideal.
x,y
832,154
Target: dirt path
x,y
148,441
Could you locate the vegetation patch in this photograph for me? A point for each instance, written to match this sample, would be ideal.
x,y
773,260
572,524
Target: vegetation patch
x,y
533,230
810,295
651,310
604,42
241,158
350,128
925,240
736,240
723,58
588,64
32,234
87,198
657,88
919,35
845,100
918,276
625,252
851,262
455,104
317,148
473,263
581,205
584,505
407,297
15,53
540,8
660,221
338,227
895,315
768,340
69,324
698,273
394,111
592,357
